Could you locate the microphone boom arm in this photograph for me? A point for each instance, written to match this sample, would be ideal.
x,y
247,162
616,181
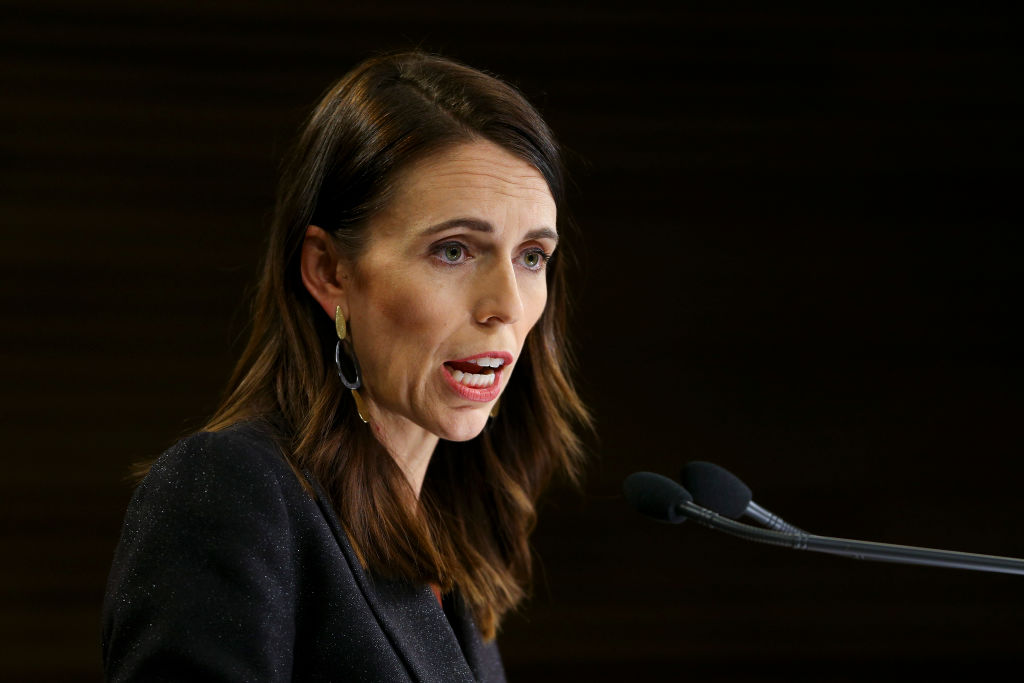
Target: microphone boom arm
x,y
772,521
860,550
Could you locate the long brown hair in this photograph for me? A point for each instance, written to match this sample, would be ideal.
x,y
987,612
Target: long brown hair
x,y
476,509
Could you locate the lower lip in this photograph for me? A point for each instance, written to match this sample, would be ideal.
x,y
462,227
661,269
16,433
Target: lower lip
x,y
481,394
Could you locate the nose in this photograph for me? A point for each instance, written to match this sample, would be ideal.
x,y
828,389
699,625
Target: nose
x,y
497,295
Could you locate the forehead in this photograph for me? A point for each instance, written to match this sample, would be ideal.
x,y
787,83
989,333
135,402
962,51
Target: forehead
x,y
477,179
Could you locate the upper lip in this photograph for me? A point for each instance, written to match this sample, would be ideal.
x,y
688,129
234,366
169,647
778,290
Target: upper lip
x,y
503,355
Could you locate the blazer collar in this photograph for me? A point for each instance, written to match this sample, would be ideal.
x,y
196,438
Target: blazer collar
x,y
411,618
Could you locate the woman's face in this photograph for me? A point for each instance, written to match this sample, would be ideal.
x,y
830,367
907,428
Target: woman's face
x,y
450,282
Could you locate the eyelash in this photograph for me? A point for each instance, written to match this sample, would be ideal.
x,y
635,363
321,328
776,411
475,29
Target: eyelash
x,y
440,249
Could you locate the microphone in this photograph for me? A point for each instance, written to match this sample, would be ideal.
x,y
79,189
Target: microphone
x,y
721,491
656,496
663,499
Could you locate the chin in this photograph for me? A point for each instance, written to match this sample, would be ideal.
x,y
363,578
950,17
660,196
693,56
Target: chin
x,y
464,427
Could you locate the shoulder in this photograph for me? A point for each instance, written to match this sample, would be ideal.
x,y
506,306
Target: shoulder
x,y
204,576
243,458
245,449
217,479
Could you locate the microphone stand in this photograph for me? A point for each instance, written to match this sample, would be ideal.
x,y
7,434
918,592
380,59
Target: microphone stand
x,y
860,550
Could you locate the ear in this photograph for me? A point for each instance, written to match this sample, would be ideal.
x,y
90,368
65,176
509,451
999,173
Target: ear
x,y
324,272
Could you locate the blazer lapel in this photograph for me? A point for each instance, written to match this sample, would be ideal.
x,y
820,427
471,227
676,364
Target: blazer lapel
x,y
409,615
483,660
419,630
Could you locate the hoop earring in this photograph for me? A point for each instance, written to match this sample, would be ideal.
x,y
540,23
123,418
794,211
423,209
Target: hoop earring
x,y
348,367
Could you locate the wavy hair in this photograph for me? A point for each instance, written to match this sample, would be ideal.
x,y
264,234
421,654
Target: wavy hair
x,y
470,526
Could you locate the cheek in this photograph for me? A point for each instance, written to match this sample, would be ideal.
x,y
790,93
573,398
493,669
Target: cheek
x,y
535,298
403,315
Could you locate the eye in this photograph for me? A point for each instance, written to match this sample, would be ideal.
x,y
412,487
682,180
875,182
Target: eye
x,y
451,253
534,259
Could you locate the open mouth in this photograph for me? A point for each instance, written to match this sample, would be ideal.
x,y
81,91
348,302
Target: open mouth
x,y
478,373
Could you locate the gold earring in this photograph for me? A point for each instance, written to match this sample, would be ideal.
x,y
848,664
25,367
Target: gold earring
x,y
495,407
364,414
345,360
353,378
339,322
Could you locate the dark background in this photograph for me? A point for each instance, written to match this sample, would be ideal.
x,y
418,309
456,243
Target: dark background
x,y
800,234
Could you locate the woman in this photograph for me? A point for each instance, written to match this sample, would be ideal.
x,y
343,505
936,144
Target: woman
x,y
359,506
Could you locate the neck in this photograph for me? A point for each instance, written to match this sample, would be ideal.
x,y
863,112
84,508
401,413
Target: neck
x,y
409,444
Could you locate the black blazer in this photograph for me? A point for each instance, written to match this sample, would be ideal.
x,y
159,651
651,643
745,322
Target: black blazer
x,y
228,570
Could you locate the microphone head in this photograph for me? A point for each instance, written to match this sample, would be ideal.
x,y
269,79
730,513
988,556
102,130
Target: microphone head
x,y
716,488
656,496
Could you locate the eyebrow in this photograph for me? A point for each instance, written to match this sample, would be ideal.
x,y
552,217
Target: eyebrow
x,y
479,225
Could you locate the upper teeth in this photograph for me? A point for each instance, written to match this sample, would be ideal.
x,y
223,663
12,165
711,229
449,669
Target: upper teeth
x,y
489,362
